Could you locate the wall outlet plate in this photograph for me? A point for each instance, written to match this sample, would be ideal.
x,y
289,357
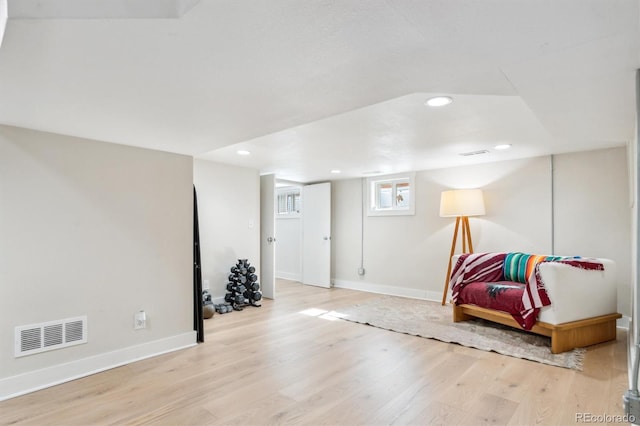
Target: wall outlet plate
x,y
140,320
360,271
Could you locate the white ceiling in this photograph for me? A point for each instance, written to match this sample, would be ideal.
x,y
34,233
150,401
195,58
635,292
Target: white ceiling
x,y
310,86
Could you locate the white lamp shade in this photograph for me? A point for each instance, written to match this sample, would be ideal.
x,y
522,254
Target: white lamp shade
x,y
461,202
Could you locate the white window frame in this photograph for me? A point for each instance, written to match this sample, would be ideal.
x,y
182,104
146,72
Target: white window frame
x,y
287,191
372,195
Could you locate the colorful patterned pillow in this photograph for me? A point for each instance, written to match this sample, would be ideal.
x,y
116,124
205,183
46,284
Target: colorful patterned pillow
x,y
518,267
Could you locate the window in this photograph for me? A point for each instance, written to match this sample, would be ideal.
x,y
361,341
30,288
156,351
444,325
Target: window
x,y
391,195
289,202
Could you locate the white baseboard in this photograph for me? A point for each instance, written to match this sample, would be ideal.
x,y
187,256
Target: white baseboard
x,y
292,276
32,381
388,290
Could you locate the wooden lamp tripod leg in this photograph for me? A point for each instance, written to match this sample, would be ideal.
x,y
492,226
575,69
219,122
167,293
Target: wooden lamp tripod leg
x,y
453,249
465,227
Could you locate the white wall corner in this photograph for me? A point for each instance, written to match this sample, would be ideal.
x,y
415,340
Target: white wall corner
x,y
32,381
623,322
291,276
3,18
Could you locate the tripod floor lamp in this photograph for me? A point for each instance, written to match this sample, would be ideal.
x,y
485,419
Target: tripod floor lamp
x,y
460,203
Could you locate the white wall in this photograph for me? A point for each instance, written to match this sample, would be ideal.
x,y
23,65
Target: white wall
x,y
408,255
592,211
229,217
288,248
96,229
346,223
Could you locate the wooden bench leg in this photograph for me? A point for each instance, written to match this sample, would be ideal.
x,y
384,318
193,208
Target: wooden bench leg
x,y
567,338
459,315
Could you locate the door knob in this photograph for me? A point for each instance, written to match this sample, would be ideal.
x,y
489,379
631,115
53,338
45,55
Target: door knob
x,y
271,240
326,238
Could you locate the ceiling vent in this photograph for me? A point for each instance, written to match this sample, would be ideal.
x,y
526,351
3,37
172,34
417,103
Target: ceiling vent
x,y
47,336
470,153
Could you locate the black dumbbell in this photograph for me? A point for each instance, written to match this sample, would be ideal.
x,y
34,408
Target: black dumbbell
x,y
256,295
224,308
251,269
255,286
252,278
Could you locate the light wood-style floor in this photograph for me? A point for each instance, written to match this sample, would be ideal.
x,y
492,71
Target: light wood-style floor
x,y
274,365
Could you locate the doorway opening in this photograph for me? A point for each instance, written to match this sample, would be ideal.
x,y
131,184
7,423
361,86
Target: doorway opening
x,y
288,229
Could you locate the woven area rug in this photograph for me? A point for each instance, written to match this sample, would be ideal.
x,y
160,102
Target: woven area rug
x,y
431,320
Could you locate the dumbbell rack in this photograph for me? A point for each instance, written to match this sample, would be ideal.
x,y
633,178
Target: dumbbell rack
x,y
243,288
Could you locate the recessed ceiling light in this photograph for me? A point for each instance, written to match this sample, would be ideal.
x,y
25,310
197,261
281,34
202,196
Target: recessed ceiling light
x,y
503,146
439,101
243,152
372,172
335,171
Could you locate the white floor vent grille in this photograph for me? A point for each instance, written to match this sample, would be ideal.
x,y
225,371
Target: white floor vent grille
x,y
47,336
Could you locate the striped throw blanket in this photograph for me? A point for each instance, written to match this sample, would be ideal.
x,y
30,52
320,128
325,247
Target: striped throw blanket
x,y
519,267
471,268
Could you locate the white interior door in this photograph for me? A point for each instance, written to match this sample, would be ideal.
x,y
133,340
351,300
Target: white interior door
x,y
316,234
267,239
